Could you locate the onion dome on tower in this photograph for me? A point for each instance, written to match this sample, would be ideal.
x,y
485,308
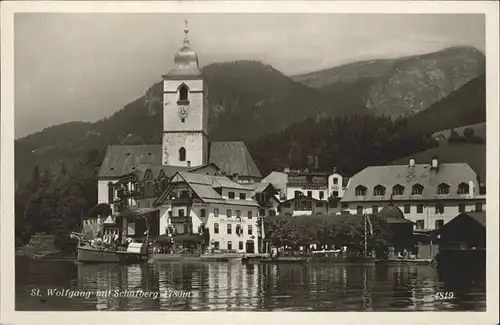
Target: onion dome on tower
x,y
186,61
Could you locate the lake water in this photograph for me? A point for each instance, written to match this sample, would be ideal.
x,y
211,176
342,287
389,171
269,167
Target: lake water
x,y
237,287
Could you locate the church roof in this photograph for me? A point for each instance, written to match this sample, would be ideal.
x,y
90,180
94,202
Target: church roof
x,y
230,157
233,157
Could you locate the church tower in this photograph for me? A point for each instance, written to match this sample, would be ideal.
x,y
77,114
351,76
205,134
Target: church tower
x,y
185,118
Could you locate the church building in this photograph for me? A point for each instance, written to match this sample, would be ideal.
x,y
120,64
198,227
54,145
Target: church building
x,y
185,142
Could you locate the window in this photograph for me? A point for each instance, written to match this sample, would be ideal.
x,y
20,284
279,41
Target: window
x,y
287,204
335,180
272,213
398,189
182,154
298,193
443,188
321,195
229,213
216,228
420,224
335,193
111,193
359,209
374,209
250,230
439,209
230,195
439,223
379,190
407,208
243,196
203,213
461,208
183,93
229,245
319,205
360,191
250,214
479,207
238,230
463,188
240,245
216,245
181,213
417,189
262,212
420,208
229,229
333,204
216,212
238,213
309,193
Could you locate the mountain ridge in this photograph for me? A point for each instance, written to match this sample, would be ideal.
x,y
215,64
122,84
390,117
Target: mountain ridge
x,y
247,100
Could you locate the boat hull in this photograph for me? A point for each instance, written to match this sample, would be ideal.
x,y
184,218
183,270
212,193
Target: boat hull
x,y
89,255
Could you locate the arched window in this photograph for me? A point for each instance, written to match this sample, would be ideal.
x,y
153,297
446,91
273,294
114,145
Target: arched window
x,y
398,189
463,188
360,191
182,154
379,190
183,93
443,188
417,189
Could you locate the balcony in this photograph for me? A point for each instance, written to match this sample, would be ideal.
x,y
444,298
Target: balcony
x,y
180,219
182,201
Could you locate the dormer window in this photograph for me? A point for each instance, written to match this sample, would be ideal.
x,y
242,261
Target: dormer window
x,y
443,188
398,189
183,95
360,191
463,188
379,190
417,189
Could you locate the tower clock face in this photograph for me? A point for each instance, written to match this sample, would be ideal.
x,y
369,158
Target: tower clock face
x,y
183,113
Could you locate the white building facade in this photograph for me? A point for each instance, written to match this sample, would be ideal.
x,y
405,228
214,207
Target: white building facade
x,y
227,209
430,195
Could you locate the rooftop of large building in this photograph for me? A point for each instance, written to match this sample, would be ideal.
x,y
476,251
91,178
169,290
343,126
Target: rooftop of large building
x,y
399,181
232,158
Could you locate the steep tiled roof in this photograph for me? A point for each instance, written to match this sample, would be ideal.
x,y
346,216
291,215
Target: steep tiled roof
x,y
233,157
388,176
204,186
124,159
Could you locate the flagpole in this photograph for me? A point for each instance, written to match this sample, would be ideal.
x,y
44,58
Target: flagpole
x,y
366,244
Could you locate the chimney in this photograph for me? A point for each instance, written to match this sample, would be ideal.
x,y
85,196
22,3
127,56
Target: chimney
x,y
188,163
412,162
334,170
434,163
316,163
236,178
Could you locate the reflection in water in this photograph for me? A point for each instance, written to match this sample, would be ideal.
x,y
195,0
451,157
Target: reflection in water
x,y
235,286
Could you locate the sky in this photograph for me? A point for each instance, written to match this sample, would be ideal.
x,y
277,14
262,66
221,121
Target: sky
x,y
84,67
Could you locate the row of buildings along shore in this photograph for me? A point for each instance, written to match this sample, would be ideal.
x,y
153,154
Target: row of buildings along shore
x,y
188,186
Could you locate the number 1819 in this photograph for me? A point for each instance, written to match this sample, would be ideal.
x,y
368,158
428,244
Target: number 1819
x,y
444,295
